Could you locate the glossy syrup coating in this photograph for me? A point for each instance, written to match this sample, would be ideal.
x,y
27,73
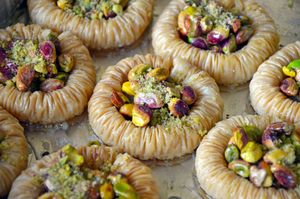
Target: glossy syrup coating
x,y
98,160
65,95
154,140
263,181
232,69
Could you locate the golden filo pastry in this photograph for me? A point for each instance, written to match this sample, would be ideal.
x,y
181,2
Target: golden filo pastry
x,y
227,69
119,31
265,94
213,174
59,105
13,150
154,142
30,184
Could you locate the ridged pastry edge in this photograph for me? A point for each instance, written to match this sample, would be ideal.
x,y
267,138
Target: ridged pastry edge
x,y
211,168
233,69
266,97
97,34
59,105
17,154
153,142
139,175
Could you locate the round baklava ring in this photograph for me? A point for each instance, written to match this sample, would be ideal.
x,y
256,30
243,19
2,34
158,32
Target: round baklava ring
x,y
107,26
146,135
231,61
13,151
222,180
88,172
44,79
273,90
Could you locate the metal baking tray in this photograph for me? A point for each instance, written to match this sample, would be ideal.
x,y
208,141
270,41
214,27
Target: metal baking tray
x,y
175,179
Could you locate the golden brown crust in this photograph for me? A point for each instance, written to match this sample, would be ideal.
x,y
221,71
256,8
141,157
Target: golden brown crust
x,y
96,34
212,172
59,105
233,69
266,97
13,155
139,175
154,141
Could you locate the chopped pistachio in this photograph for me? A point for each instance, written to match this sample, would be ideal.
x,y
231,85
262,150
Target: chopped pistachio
x,y
93,9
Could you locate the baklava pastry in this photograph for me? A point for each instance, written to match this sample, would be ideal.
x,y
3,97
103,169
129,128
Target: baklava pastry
x,y
88,172
44,78
13,151
250,157
100,24
274,89
153,108
228,40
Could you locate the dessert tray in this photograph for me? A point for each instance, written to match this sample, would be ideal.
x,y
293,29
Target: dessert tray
x,y
175,179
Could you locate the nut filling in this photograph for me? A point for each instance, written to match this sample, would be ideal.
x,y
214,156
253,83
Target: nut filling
x,y
290,85
31,65
94,9
208,26
71,178
151,97
268,159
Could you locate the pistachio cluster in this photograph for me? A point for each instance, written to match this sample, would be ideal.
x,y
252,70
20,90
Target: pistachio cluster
x,y
207,26
69,178
290,85
31,65
150,97
94,9
269,158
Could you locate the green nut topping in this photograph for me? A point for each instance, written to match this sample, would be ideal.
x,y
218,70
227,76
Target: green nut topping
x,y
240,167
93,9
73,155
253,132
124,190
137,71
153,98
232,153
274,156
40,68
239,138
290,85
266,159
71,177
62,76
29,64
118,9
252,152
209,26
